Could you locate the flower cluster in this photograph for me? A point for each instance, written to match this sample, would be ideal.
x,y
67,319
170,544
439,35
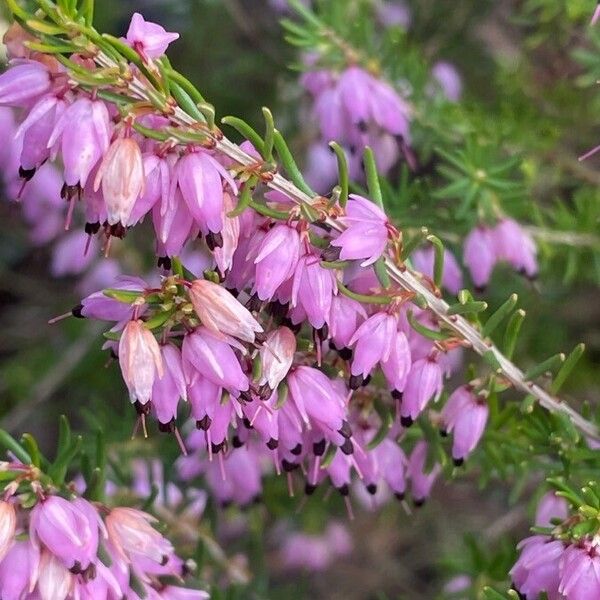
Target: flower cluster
x,y
59,546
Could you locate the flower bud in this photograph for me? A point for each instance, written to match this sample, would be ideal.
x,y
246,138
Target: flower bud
x,y
8,524
140,360
122,176
277,355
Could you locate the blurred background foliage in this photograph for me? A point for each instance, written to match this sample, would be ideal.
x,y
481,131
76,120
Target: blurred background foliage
x,y
529,69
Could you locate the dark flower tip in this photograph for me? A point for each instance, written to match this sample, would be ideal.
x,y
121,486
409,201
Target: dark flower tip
x,y
76,311
204,423
347,447
345,353
406,421
167,427
236,442
319,448
164,262
355,382
272,444
418,502
396,395
309,489
399,496
344,490
372,489
458,462
288,467
296,450
443,433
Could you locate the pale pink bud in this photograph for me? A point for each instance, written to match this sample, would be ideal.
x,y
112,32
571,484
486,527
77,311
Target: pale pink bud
x,y
132,534
122,176
277,356
8,524
54,581
140,360
149,39
231,235
221,313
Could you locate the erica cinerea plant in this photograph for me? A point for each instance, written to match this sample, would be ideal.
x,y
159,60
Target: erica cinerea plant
x,y
323,336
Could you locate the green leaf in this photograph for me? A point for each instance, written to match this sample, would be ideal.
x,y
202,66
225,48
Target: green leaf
x,y
382,273
566,368
430,334
245,131
468,308
125,296
549,364
32,449
499,315
512,332
185,102
343,175
10,444
267,151
373,184
438,265
290,164
367,299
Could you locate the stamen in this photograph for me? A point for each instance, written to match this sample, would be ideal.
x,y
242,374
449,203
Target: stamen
x,y
290,484
180,441
349,508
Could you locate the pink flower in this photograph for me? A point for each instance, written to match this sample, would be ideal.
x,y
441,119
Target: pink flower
x,y
23,82
69,529
424,383
121,174
373,342
277,356
516,246
276,260
480,255
397,366
221,313
213,359
19,570
170,388
54,582
537,569
132,534
313,290
231,234
580,572
100,306
551,507
449,80
421,481
452,278
8,525
140,360
200,179
149,39
366,234
84,131
174,227
466,415
343,320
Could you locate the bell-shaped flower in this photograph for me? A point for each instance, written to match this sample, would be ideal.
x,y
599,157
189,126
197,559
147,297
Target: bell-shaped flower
x,y
452,278
373,342
171,387
121,174
221,313
84,131
54,582
465,414
19,570
580,572
276,260
231,235
148,39
174,227
397,366
344,318
140,360
69,529
551,507
214,359
537,569
200,178
313,290
132,534
277,355
424,383
8,525
421,479
480,255
100,306
516,246
23,82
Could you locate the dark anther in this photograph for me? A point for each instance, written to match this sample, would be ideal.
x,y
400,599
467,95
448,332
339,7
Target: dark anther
x,y
345,429
246,422
164,560
235,293
458,462
216,448
399,496
246,396
117,230
264,391
167,427
347,447
319,448
288,467
396,395
226,503
345,353
26,174
362,126
367,380
295,327
355,381
89,573
260,337
214,240
76,311
331,253
372,489
236,442
406,421
344,490
272,444
277,309
254,304
309,489
164,262
204,423
92,228
296,450
332,346
443,433
142,409
323,332
257,499
76,568
418,502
